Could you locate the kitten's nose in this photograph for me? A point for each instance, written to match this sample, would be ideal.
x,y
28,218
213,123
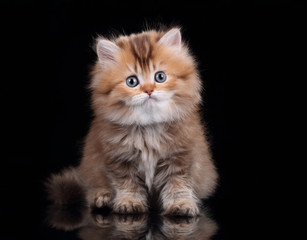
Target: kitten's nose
x,y
149,91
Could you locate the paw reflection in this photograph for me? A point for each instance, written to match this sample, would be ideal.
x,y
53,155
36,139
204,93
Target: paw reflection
x,y
106,225
102,221
200,227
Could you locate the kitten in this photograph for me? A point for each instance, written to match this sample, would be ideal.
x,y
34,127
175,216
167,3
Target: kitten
x,y
146,140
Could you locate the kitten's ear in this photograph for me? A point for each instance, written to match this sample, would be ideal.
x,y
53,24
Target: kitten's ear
x,y
106,51
172,38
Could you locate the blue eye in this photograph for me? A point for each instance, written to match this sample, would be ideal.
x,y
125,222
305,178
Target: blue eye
x,y
132,81
160,77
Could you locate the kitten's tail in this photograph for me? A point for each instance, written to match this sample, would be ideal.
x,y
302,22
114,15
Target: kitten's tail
x,y
66,188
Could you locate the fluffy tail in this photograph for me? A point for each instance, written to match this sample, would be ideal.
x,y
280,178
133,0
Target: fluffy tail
x,y
66,188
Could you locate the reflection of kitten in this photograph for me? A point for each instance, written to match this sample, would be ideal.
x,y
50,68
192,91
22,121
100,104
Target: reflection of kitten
x,y
94,225
141,227
146,136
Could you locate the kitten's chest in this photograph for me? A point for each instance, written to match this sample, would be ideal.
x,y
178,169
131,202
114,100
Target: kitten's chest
x,y
151,144
147,166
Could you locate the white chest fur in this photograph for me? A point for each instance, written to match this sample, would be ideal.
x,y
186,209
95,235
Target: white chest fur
x,y
147,166
149,141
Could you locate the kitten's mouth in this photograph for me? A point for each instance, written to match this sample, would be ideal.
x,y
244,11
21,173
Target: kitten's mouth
x,y
150,99
145,101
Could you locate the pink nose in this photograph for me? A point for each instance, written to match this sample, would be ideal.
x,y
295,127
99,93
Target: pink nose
x,y
149,92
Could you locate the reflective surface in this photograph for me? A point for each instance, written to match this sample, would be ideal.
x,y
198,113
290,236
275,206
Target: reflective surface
x,y
86,224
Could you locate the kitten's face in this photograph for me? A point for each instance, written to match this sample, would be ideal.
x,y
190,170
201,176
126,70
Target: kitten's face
x,y
144,79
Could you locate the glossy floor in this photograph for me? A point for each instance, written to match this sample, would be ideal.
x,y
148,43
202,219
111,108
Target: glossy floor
x,y
81,222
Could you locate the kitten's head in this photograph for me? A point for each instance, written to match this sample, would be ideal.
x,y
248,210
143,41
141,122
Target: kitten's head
x,y
145,78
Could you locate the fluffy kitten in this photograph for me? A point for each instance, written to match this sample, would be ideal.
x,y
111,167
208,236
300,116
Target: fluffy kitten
x,y
146,140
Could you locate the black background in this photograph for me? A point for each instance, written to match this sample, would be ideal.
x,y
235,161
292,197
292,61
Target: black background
x,y
249,56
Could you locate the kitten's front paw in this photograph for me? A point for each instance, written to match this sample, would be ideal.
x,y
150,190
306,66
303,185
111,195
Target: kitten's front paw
x,y
103,200
181,208
129,206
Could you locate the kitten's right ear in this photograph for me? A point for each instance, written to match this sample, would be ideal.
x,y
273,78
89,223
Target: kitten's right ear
x,y
172,38
106,51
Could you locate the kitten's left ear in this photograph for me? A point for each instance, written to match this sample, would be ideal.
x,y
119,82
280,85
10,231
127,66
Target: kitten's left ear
x,y
172,38
106,51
